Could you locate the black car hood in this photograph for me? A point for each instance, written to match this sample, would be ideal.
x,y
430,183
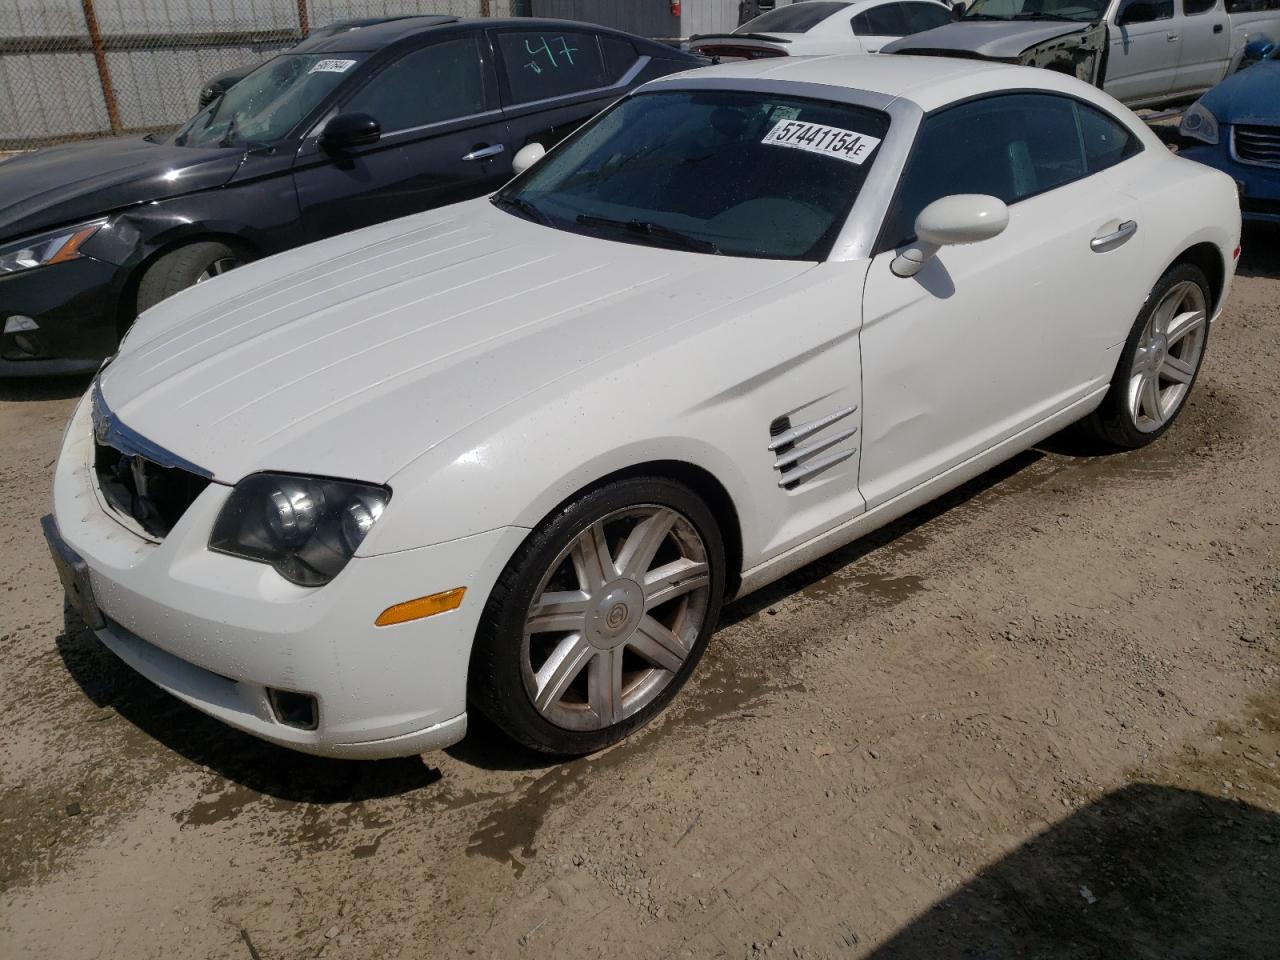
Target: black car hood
x,y
61,185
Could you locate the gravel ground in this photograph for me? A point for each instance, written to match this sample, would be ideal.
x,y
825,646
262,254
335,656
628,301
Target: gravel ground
x,y
1040,718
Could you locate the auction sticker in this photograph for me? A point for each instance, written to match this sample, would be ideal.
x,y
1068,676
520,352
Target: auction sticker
x,y
332,66
846,145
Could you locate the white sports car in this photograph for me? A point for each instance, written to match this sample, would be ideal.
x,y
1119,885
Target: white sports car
x,y
512,455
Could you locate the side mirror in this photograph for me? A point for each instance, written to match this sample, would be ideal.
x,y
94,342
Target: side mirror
x,y
527,156
957,9
957,219
1140,11
348,130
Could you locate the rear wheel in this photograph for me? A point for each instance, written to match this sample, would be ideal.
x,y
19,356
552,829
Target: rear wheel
x,y
600,617
185,267
1159,363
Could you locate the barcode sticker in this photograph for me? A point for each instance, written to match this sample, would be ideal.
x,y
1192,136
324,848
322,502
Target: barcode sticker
x,y
846,145
332,66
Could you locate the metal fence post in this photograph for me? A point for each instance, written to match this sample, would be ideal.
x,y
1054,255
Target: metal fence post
x,y
100,60
304,22
485,9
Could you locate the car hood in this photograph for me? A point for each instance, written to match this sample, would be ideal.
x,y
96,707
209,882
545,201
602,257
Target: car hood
x,y
354,356
1249,96
1003,40
60,185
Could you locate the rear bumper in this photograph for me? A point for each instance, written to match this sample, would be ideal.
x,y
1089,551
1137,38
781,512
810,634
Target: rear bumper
x,y
74,308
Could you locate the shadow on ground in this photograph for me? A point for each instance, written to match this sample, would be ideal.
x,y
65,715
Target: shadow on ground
x,y
1145,872
25,389
1260,257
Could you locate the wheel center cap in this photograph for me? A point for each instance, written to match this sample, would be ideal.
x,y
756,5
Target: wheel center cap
x,y
615,614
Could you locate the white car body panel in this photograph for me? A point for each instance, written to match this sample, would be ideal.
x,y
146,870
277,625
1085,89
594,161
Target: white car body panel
x,y
488,368
833,36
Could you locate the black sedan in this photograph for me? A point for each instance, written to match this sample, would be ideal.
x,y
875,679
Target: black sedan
x,y
364,126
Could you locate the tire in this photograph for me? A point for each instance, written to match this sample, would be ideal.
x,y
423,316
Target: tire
x,y
611,630
1178,303
182,268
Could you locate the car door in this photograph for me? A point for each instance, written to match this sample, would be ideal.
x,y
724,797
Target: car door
x,y
553,80
991,339
1204,46
1143,50
442,140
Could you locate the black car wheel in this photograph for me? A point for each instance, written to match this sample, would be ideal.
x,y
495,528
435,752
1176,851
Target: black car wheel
x,y
184,267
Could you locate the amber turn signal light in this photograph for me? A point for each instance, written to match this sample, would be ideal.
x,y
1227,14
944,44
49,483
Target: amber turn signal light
x,y
422,607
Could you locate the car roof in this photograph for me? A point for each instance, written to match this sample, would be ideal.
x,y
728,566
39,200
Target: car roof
x,y
929,82
378,35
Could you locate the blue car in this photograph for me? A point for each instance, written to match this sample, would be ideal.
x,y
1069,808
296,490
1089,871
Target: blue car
x,y
1237,126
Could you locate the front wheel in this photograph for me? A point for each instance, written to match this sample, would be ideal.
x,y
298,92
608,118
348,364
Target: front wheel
x,y
1159,363
600,617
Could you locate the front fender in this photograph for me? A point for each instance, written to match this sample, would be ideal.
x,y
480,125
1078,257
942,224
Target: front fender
x,y
1079,55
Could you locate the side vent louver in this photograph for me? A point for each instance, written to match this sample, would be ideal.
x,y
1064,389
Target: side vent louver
x,y
803,451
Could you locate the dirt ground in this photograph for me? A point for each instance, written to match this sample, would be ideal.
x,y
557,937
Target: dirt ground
x,y
1040,718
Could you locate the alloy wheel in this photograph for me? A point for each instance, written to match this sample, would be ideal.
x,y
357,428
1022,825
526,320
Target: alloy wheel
x,y
1167,356
615,617
218,268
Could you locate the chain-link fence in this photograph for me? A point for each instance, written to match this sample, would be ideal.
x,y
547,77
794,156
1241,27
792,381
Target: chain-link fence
x,y
76,69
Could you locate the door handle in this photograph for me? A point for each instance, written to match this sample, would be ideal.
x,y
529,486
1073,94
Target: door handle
x,y
1171,37
484,152
1217,28
1109,241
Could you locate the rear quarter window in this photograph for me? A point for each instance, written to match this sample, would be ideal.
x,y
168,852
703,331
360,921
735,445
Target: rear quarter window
x,y
540,65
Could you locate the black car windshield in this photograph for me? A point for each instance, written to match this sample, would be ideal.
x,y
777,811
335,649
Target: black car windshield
x,y
1082,11
793,18
268,103
740,173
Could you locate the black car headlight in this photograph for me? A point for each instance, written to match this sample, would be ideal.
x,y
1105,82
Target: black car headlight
x,y
307,528
56,246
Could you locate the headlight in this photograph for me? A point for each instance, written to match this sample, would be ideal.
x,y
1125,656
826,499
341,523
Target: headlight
x,y
57,246
1200,124
305,527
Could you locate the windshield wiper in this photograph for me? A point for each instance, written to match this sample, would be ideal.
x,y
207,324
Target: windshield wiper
x,y
1044,16
522,205
650,230
229,136
981,16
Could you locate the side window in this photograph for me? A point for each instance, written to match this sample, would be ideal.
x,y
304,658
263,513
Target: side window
x,y
619,57
925,16
886,20
1193,7
442,81
544,64
1106,141
1012,147
1144,11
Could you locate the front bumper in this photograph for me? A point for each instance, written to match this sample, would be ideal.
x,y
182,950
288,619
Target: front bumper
x,y
1259,186
74,305
222,633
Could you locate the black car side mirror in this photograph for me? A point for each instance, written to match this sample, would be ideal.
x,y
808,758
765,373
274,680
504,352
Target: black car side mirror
x,y
348,130
957,10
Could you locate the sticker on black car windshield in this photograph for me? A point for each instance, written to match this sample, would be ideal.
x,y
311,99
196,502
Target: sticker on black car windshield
x,y
835,142
332,66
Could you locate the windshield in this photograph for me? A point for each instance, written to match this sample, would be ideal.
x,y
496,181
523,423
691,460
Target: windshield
x,y
793,18
740,173
268,103
1081,11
